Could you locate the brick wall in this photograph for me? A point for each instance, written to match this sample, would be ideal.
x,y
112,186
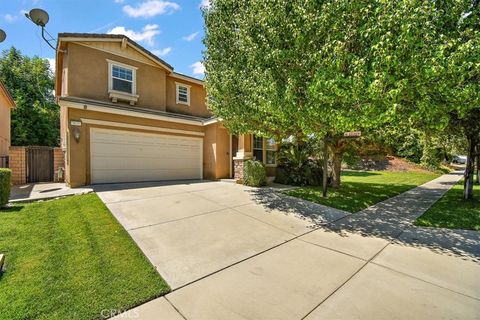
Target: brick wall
x,y
19,169
18,165
58,162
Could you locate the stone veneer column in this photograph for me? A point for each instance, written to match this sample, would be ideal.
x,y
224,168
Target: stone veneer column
x,y
244,153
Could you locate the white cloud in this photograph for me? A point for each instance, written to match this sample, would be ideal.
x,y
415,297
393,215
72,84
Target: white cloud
x,y
147,34
51,62
118,1
162,52
190,37
205,4
10,18
151,8
198,68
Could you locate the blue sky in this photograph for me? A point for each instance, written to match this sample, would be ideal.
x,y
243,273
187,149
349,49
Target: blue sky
x,y
171,29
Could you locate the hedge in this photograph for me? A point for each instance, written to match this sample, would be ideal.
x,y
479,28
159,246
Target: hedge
x,y
5,176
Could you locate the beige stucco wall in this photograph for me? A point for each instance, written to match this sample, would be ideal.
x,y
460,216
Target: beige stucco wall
x,y
5,105
64,138
209,152
216,152
216,143
197,98
78,153
222,164
88,77
84,73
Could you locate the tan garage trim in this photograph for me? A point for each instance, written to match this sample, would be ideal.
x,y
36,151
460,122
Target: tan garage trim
x,y
140,127
137,114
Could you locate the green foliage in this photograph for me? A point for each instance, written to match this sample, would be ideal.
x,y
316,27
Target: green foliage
x,y
5,181
301,67
453,212
254,173
35,120
297,67
427,148
409,146
298,164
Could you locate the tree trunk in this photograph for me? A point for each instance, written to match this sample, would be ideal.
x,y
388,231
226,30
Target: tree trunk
x,y
337,169
469,170
325,167
337,148
478,164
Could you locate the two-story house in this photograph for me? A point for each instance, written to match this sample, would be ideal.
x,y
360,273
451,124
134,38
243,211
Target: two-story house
x,y
127,116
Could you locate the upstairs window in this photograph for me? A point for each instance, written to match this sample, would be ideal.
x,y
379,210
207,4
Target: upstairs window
x,y
183,94
122,78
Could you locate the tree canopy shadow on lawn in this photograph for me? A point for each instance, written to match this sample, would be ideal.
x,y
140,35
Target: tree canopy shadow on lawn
x,y
354,196
390,220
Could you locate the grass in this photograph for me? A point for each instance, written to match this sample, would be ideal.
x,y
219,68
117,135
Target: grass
x,y
361,189
70,259
451,211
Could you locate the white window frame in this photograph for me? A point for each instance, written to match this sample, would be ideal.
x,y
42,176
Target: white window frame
x,y
177,92
120,95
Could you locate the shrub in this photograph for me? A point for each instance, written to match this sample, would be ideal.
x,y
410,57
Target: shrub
x,y
281,175
254,173
299,164
5,176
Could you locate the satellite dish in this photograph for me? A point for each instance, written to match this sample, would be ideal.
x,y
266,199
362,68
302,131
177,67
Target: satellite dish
x,y
38,16
3,35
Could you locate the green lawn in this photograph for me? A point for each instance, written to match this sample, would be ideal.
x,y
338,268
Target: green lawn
x,y
70,259
361,189
453,212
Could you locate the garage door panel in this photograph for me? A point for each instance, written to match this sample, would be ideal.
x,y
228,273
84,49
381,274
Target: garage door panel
x,y
107,152
166,158
125,156
107,163
104,176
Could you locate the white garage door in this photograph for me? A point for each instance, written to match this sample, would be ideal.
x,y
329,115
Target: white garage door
x,y
124,156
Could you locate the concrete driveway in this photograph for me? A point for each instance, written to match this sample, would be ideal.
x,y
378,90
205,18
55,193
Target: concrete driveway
x,y
232,252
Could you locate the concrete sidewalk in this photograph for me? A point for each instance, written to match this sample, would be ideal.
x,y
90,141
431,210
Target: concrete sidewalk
x,y
308,262
44,191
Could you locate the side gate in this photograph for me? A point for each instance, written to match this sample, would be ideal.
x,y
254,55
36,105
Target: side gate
x,y
39,162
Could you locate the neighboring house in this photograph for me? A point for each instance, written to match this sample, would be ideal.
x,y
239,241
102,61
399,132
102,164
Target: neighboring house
x,y
126,116
6,104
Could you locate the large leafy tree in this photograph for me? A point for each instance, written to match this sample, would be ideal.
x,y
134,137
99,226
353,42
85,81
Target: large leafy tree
x,y
35,120
296,67
305,67
437,88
